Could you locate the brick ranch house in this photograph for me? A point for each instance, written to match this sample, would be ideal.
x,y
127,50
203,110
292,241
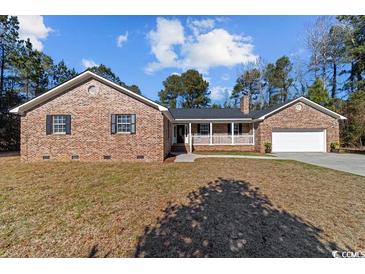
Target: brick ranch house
x,y
90,118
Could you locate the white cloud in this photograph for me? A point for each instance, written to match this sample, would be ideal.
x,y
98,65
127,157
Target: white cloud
x,y
217,48
168,34
33,27
203,50
222,19
218,93
88,63
199,26
121,39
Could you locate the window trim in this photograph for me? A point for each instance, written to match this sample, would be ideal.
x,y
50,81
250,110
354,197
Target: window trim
x,y
236,131
207,129
123,123
54,124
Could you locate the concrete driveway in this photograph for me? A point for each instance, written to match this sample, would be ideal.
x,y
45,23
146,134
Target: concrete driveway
x,y
352,163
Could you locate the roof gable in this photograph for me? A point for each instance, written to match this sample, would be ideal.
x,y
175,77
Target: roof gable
x,y
52,93
262,114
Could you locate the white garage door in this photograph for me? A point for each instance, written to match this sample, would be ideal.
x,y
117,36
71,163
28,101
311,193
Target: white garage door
x,y
299,140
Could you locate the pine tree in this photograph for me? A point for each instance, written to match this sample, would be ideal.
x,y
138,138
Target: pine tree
x,y
196,93
249,83
355,49
107,73
9,27
190,87
354,130
173,88
317,93
61,73
278,80
216,106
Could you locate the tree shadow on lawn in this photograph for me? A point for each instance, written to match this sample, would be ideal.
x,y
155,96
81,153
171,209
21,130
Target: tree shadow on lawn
x,y
229,219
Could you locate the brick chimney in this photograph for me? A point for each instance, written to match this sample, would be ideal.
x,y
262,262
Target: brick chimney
x,y
245,104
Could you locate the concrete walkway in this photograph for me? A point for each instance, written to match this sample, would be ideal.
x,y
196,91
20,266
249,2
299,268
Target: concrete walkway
x,y
352,163
190,157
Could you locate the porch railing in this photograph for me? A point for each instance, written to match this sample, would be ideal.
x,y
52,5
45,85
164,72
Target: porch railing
x,y
223,139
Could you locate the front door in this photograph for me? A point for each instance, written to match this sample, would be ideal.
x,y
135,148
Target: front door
x,y
180,134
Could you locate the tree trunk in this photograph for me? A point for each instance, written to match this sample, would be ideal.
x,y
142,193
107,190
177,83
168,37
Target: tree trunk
x,y
352,78
334,81
324,74
27,88
2,67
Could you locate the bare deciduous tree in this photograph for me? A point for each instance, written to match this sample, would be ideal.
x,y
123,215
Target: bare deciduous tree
x,y
325,41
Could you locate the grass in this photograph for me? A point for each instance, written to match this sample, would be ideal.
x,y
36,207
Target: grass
x,y
80,209
239,153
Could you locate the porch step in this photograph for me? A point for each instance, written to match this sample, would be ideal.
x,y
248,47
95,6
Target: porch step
x,y
179,148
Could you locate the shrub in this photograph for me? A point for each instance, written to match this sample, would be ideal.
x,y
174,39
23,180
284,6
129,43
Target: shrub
x,y
268,147
335,146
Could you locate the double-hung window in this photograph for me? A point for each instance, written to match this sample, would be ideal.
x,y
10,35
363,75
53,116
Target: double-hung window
x,y
236,129
123,123
59,124
204,129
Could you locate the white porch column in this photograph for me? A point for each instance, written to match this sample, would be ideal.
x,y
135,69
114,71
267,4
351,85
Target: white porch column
x,y
232,132
211,133
190,139
253,132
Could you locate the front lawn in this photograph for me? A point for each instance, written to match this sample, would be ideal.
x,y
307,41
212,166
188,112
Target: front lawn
x,y
210,208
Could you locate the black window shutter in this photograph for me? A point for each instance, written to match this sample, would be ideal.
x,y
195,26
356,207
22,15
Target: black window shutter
x,y
240,129
229,128
113,124
133,123
49,125
68,124
198,128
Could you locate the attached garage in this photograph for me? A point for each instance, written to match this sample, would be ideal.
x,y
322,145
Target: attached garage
x,y
299,140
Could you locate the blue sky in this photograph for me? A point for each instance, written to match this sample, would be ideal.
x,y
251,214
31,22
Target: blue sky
x,y
151,48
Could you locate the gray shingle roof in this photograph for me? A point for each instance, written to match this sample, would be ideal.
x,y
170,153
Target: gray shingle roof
x,y
258,113
208,113
221,113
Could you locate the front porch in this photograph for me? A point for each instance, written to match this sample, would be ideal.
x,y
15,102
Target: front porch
x,y
206,135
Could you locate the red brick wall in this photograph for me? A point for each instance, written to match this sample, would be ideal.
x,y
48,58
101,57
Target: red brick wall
x,y
289,117
245,104
91,136
168,135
